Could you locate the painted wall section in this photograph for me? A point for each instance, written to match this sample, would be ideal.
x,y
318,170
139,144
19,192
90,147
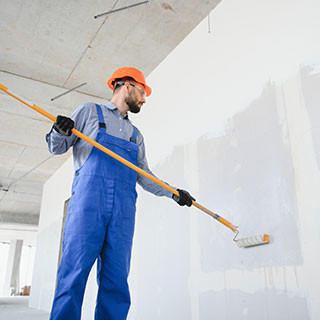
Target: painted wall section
x,y
233,119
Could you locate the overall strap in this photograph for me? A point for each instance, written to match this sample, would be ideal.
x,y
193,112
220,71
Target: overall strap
x,y
101,119
134,135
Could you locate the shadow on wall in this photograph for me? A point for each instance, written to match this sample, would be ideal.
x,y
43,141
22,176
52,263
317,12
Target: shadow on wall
x,y
247,176
310,84
262,305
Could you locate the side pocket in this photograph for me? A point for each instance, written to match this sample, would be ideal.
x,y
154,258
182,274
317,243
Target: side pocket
x,y
109,192
73,189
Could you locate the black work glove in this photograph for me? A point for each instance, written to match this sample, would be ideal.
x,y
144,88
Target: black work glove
x,y
64,125
184,199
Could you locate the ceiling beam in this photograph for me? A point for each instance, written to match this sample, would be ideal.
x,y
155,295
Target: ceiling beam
x,y
19,218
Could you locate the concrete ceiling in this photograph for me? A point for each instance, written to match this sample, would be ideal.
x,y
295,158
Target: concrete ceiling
x,y
50,46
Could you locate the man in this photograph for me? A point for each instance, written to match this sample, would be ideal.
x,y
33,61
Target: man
x,y
101,213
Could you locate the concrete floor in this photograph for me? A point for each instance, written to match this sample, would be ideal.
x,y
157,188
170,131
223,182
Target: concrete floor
x,y
16,308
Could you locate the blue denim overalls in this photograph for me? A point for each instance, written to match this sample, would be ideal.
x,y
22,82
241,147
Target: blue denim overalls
x,y
100,224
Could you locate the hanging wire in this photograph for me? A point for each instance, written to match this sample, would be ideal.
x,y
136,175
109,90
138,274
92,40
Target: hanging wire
x,y
68,91
120,9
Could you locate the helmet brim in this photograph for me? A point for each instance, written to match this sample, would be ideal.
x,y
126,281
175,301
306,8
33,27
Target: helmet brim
x,y
147,89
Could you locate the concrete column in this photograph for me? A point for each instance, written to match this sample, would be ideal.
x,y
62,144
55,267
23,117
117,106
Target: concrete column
x,y
11,284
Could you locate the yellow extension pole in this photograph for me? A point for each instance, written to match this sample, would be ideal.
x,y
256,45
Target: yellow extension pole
x,y
117,157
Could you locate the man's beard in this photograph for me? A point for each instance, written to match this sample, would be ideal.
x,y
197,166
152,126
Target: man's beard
x,y
132,104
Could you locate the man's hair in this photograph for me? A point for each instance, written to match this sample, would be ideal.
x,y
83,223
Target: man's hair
x,y
120,82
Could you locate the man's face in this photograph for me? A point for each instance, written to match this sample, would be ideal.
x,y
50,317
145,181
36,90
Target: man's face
x,y
135,98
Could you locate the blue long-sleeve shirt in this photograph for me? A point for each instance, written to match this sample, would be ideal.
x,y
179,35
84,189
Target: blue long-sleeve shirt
x,y
86,120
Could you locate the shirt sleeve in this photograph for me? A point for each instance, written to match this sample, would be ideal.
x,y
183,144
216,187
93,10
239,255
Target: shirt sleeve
x,y
58,143
144,182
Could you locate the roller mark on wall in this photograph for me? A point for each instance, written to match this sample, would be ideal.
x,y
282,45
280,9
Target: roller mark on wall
x,y
263,305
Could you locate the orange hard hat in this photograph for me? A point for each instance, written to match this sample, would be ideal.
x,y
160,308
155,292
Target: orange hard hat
x,y
133,73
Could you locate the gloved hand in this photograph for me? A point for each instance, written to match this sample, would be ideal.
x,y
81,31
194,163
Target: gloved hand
x,y
184,199
64,125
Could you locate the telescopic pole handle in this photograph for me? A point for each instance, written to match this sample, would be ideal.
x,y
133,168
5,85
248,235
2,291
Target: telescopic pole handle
x,y
117,157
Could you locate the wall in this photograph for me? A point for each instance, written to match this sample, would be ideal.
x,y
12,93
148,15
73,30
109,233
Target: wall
x,y
233,119
48,237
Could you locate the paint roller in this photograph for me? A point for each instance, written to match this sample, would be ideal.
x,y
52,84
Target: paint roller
x,y
242,243
253,241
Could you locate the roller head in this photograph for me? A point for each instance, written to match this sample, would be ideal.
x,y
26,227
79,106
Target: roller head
x,y
253,241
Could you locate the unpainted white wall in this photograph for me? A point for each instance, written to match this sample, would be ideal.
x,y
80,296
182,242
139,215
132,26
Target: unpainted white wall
x,y
233,119
54,196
